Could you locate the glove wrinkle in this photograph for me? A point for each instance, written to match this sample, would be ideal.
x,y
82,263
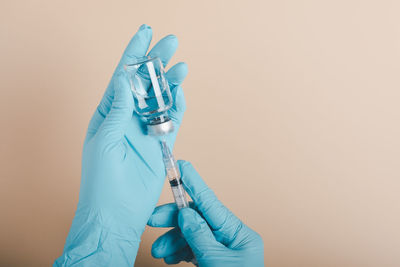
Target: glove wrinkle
x,y
139,155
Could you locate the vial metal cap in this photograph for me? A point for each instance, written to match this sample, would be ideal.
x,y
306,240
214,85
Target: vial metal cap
x,y
160,128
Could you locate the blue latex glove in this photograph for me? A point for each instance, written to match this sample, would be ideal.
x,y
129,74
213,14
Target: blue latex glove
x,y
208,230
122,168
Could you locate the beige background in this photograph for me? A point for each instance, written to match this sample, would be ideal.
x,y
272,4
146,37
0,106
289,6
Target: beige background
x,y
293,119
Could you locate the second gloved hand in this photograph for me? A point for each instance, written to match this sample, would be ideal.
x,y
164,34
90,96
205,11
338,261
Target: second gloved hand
x,y
208,232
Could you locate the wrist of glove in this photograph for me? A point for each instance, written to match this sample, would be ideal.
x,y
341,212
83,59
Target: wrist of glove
x,y
96,236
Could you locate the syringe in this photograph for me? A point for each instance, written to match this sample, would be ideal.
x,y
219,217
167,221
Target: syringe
x,y
174,177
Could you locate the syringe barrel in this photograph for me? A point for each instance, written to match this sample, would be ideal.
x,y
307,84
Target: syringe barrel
x,y
174,177
168,159
179,193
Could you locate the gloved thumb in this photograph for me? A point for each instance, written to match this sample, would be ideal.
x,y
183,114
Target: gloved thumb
x,y
116,122
196,232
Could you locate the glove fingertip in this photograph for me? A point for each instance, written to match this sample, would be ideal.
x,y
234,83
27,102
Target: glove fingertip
x,y
144,27
185,165
181,162
191,178
155,251
177,73
151,222
164,216
188,221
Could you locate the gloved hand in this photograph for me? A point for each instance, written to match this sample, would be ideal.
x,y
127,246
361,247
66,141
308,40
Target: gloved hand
x,y
208,231
122,168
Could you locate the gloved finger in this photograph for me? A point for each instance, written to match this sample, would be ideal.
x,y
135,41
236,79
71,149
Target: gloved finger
x,y
223,223
165,215
178,109
185,254
165,48
197,232
176,74
137,47
114,125
168,244
175,77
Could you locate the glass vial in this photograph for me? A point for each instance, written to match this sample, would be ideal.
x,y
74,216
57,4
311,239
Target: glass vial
x,y
151,94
